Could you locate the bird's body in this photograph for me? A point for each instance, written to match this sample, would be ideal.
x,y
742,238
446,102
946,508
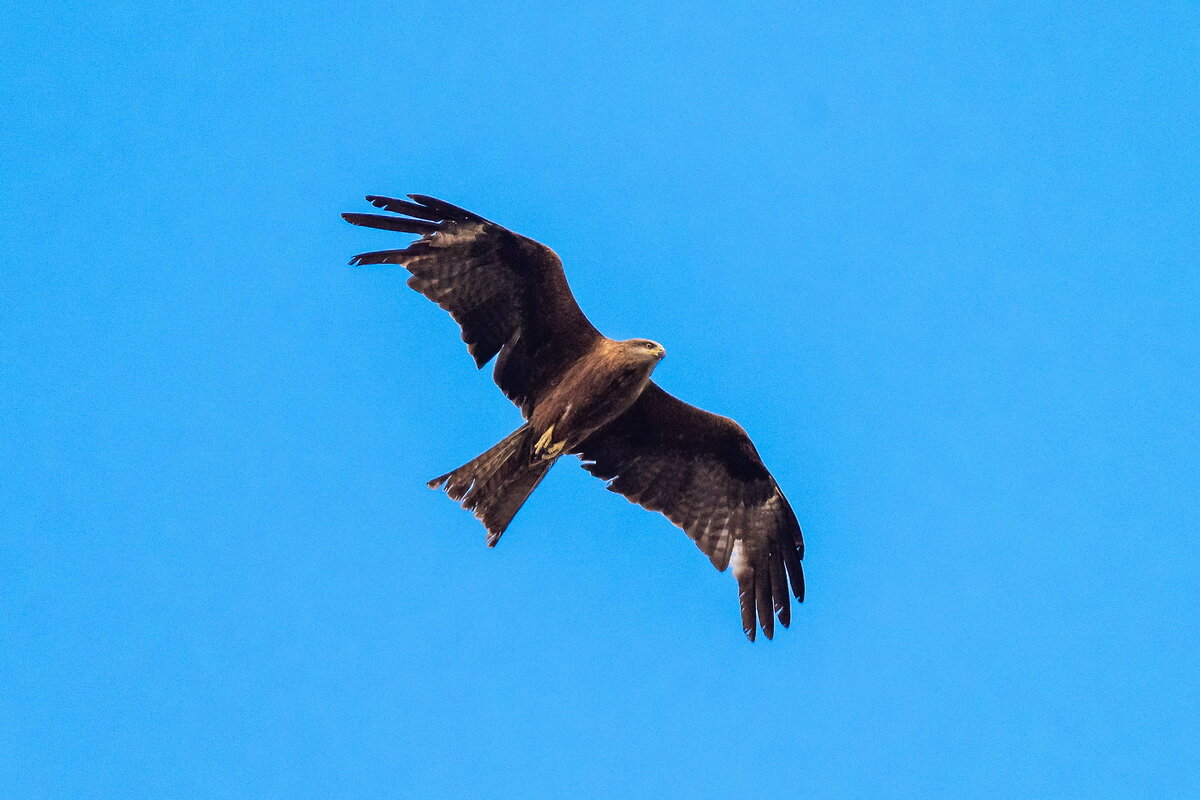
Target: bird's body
x,y
583,393
594,391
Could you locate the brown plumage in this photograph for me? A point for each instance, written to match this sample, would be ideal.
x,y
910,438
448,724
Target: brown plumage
x,y
584,394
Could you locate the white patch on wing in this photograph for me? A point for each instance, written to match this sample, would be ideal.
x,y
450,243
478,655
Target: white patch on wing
x,y
766,516
463,232
741,567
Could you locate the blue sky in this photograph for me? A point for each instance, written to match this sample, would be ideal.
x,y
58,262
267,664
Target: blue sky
x,y
940,261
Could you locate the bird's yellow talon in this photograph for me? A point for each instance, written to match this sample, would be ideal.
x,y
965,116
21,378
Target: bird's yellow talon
x,y
546,447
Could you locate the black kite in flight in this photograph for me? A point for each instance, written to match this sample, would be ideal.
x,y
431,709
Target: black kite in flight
x,y
585,394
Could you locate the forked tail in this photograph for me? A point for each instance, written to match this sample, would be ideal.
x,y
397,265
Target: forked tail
x,y
496,484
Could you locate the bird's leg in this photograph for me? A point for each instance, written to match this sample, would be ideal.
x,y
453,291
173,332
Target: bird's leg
x,y
546,447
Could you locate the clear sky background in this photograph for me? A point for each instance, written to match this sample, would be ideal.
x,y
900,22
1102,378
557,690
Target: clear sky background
x,y
940,261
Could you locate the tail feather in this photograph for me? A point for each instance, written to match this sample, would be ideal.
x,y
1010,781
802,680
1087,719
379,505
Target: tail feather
x,y
494,485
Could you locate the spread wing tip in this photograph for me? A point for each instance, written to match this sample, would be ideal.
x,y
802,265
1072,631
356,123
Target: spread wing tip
x,y
425,211
763,595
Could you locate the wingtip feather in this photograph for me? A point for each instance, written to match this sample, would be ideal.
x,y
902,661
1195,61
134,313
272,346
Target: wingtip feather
x,y
403,207
448,210
381,222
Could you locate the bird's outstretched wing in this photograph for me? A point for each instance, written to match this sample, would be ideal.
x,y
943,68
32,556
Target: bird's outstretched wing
x,y
702,471
507,292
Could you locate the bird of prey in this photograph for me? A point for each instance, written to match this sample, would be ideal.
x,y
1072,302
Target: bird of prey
x,y
582,393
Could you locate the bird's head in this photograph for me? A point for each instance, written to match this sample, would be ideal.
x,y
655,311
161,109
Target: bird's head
x,y
643,350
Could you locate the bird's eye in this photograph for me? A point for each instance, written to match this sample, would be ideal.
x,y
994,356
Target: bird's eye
x,y
648,345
